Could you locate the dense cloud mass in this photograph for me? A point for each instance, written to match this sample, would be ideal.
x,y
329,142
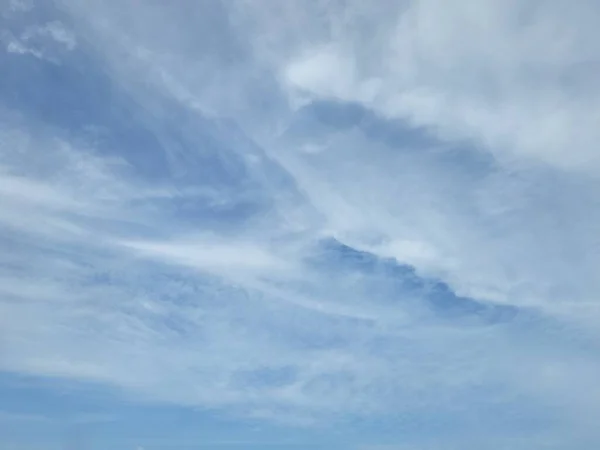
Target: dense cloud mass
x,y
309,212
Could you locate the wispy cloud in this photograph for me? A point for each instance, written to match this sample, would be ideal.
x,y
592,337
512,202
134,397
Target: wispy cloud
x,y
308,212
45,42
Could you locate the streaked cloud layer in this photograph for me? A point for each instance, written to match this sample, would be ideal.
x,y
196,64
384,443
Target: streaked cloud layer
x,y
316,214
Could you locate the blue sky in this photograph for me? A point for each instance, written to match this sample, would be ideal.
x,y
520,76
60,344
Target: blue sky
x,y
251,224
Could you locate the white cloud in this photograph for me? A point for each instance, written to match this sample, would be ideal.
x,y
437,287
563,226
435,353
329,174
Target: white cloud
x,y
21,5
46,42
207,253
19,48
472,159
516,78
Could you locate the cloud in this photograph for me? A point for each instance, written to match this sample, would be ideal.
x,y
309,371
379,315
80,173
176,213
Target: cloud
x,y
48,41
20,5
476,72
310,213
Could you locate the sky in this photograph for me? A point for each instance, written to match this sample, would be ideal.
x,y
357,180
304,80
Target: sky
x,y
306,224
